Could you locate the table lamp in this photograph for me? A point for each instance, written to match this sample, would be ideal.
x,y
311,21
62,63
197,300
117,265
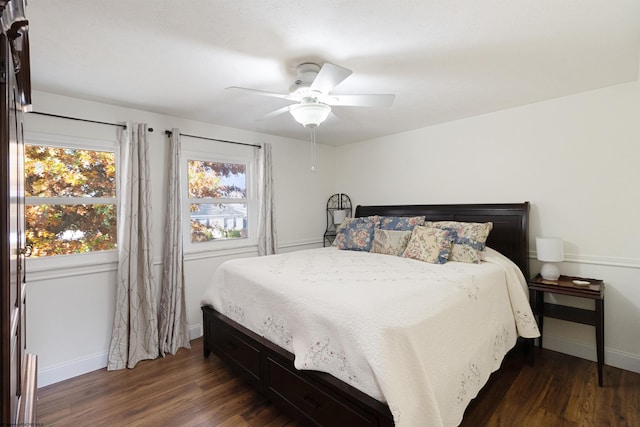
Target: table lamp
x,y
549,250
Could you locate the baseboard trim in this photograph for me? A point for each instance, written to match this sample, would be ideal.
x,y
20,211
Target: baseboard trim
x,y
195,331
83,365
72,368
616,358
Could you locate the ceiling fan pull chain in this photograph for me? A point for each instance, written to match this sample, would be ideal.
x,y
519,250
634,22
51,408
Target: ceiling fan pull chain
x,y
313,149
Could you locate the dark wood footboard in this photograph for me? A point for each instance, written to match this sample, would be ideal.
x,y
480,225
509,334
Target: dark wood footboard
x,y
314,397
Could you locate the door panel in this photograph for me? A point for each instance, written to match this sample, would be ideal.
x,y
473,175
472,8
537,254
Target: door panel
x,y
12,228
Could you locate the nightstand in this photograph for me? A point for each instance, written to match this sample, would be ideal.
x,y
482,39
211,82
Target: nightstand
x,y
565,286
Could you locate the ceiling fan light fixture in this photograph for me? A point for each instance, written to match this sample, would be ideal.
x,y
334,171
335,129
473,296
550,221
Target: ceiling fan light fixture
x,y
310,115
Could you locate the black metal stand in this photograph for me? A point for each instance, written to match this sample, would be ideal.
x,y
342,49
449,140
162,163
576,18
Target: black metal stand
x,y
338,207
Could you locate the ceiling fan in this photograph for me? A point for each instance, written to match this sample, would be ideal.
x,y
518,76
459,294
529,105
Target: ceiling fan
x,y
312,95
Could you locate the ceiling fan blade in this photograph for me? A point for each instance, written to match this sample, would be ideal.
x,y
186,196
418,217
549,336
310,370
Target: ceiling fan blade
x,y
260,92
381,100
275,113
328,77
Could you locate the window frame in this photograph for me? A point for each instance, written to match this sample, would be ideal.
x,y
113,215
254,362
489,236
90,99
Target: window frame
x,y
71,142
218,155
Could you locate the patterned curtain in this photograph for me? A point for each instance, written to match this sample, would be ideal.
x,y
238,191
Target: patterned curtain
x,y
267,236
135,324
174,329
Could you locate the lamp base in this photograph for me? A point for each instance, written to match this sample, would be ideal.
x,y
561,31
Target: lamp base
x,y
550,271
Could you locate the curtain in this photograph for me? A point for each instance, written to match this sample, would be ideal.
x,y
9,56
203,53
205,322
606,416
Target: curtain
x,y
267,236
174,329
135,324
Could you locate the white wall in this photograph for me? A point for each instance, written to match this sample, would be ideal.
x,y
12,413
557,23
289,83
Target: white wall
x,y
574,158
70,310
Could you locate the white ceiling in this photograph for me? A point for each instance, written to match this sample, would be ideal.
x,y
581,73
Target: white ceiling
x,y
444,59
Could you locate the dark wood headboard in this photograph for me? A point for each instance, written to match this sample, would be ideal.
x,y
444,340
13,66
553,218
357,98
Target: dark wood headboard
x,y
510,234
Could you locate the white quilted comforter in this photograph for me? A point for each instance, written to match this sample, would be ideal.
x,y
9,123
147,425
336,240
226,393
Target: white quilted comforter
x,y
422,337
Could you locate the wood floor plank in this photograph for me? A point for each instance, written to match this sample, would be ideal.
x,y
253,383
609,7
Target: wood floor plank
x,y
189,390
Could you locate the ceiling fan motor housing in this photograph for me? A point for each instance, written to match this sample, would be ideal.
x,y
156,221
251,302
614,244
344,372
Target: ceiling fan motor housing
x,y
306,74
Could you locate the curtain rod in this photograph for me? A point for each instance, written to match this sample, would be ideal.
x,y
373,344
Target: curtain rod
x,y
82,120
169,133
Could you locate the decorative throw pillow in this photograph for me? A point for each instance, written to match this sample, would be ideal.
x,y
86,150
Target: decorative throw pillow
x,y
390,242
400,222
339,228
357,233
429,244
469,238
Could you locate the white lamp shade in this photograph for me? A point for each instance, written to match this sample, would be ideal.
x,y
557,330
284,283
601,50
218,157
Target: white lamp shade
x,y
339,215
549,249
310,115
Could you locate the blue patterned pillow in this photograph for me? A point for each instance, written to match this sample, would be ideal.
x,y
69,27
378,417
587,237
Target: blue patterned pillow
x,y
357,233
400,223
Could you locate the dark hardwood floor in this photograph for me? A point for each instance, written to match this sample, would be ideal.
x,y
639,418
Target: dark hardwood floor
x,y
189,390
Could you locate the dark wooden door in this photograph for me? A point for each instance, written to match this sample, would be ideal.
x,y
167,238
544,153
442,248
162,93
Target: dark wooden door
x,y
13,241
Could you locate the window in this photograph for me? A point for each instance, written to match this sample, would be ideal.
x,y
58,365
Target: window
x,y
71,201
219,200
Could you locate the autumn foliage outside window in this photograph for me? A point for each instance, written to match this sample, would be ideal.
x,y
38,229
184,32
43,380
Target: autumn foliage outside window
x,y
217,200
70,200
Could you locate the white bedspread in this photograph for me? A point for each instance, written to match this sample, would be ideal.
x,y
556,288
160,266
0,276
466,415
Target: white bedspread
x,y
422,337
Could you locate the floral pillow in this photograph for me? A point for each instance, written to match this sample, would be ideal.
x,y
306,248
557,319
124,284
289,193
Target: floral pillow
x,y
356,234
390,242
429,244
400,222
339,228
469,238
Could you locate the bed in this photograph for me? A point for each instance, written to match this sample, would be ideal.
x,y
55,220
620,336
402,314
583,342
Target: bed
x,y
420,371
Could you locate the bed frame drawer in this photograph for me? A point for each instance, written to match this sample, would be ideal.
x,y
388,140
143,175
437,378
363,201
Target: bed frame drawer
x,y
245,356
316,398
312,401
